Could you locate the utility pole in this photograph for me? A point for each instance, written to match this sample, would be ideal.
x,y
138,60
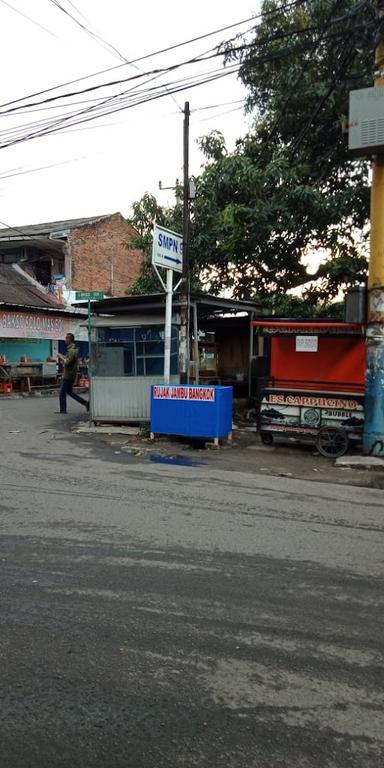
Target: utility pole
x,y
373,441
184,308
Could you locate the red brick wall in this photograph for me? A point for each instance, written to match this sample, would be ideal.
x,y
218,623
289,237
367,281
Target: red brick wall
x,y
99,259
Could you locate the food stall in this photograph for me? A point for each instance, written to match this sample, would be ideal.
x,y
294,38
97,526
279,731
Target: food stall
x,y
314,388
128,349
32,324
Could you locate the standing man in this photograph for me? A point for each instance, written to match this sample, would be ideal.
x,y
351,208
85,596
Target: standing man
x,y
70,361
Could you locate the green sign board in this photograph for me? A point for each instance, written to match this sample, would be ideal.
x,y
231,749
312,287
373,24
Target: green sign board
x,y
89,295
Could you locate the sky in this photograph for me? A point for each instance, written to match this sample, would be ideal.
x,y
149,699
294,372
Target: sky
x,y
103,166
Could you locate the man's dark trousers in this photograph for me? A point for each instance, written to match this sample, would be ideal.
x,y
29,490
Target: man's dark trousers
x,y
67,389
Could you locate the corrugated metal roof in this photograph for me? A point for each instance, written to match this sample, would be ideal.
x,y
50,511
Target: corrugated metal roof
x,y
17,290
156,301
38,230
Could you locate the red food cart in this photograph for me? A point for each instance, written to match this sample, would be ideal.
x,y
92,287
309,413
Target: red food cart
x,y
314,387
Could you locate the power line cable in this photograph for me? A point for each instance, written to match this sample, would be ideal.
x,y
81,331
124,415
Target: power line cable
x,y
298,79
52,106
287,7
60,123
100,40
349,53
171,68
142,99
77,10
299,140
99,86
154,97
349,17
215,106
220,114
25,16
137,91
7,175
60,126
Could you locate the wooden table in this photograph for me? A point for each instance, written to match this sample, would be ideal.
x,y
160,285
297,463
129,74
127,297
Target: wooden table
x,y
25,373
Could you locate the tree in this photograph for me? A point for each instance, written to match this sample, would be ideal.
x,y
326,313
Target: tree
x,y
285,305
290,187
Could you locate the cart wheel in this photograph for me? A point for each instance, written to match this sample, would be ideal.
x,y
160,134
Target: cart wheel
x,y
266,438
332,442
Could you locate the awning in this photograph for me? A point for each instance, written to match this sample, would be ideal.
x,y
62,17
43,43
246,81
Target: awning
x,y
293,327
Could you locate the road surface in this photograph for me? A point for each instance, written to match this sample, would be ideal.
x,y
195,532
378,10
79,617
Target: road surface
x,y
158,616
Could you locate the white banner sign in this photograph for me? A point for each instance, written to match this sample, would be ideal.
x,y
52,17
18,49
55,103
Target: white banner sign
x,y
24,325
307,343
204,394
167,249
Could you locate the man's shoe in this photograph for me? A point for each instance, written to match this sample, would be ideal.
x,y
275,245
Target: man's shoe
x,y
61,412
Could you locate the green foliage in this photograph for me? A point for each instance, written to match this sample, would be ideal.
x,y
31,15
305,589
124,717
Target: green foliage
x,y
291,187
213,145
285,305
342,270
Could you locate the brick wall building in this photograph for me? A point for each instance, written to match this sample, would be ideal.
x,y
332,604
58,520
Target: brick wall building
x,y
90,253
97,258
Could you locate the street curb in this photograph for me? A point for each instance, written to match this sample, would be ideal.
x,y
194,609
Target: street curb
x,y
361,462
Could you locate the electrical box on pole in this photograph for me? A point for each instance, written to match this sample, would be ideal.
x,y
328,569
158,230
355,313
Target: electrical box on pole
x,y
366,121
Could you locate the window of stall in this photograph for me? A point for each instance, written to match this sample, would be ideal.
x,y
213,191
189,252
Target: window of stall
x,y
133,351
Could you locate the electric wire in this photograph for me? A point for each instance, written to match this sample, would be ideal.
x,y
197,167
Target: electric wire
x,y
62,121
122,100
99,86
220,114
215,106
298,79
137,90
173,67
100,40
25,16
275,125
299,140
65,119
77,10
105,44
158,52
153,97
9,175
349,53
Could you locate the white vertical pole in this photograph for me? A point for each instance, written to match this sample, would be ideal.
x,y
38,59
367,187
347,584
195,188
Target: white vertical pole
x,y
168,327
196,343
89,360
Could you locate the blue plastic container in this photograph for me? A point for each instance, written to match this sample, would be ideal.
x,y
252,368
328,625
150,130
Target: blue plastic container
x,y
191,411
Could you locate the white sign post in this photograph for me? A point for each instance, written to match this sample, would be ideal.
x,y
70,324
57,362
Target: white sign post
x,y
167,252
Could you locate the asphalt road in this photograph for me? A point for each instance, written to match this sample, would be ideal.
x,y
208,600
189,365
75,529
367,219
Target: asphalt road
x,y
156,615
